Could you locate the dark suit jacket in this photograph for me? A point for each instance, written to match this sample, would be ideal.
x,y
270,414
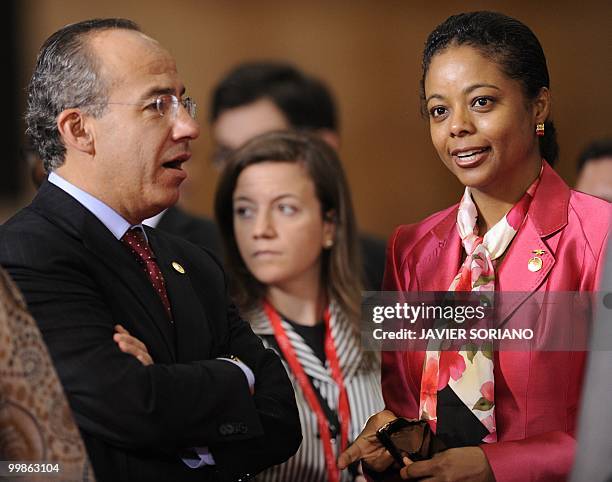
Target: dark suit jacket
x,y
199,230
373,251
79,281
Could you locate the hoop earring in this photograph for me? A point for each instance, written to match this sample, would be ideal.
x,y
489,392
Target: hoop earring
x,y
540,129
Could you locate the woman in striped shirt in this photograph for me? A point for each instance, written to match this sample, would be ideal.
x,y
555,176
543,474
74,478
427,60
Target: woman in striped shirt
x,y
285,213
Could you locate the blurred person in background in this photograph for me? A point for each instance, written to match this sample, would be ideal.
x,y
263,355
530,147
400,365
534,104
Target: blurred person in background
x,y
36,423
199,230
595,169
594,434
34,164
284,209
503,415
258,97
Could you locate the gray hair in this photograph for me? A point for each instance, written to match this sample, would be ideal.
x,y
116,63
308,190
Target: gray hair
x,y
66,76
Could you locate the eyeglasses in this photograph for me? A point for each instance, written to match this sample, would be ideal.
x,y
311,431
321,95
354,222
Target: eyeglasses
x,y
167,105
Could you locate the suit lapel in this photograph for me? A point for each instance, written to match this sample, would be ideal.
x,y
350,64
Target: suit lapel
x,y
192,330
436,270
547,214
513,274
126,268
71,216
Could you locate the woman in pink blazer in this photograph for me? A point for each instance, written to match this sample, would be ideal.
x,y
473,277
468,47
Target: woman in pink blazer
x,y
509,415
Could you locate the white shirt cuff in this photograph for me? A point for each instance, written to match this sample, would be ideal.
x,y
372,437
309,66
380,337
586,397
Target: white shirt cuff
x,y
201,458
248,373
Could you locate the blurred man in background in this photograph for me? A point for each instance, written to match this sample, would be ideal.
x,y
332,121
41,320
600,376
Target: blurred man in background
x,y
595,169
260,97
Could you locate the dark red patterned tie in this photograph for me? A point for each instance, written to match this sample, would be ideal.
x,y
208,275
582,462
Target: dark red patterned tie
x,y
135,240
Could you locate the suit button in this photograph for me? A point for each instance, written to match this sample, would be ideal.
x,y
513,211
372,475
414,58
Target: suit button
x,y
226,429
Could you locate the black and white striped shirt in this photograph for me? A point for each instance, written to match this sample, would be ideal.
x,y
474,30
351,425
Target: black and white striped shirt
x,y
362,380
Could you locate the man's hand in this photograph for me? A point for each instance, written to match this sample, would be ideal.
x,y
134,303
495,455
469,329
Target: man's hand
x,y
132,345
452,465
367,447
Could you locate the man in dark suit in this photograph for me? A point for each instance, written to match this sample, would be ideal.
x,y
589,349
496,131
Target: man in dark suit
x,y
183,390
595,169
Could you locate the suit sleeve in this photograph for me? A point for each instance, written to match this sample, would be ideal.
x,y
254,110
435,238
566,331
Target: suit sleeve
x,y
546,457
274,401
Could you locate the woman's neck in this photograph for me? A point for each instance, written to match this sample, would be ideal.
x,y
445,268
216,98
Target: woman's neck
x,y
301,302
494,204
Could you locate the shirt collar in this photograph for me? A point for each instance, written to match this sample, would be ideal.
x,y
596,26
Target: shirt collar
x,y
154,221
115,223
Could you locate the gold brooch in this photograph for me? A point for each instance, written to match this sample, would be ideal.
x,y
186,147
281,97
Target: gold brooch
x,y
178,267
535,263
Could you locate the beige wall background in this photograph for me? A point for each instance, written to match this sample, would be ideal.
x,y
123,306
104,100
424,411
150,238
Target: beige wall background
x,y
368,51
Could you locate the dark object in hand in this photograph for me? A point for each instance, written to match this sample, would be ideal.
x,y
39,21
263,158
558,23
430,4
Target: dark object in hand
x,y
409,438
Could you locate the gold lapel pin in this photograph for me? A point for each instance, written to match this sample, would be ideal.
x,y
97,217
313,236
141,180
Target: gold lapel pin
x,y
178,267
535,263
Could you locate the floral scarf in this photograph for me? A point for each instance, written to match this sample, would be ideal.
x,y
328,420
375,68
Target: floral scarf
x,y
469,372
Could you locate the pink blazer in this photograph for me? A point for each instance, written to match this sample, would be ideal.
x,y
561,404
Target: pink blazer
x,y
536,393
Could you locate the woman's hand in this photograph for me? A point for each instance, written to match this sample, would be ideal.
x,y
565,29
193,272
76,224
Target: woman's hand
x,y
367,447
452,465
132,345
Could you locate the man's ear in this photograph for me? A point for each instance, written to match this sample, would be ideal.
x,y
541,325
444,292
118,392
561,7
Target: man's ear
x,y
74,130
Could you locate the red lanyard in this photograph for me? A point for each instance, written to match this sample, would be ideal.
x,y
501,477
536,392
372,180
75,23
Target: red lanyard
x,y
344,411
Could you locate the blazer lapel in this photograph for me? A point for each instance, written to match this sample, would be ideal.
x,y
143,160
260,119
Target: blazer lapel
x,y
192,330
72,217
111,252
514,276
547,215
436,270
